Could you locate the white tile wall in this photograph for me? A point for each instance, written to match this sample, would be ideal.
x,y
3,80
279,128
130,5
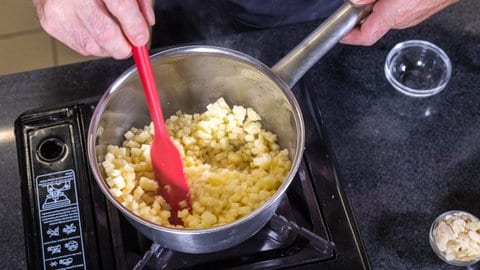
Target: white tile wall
x,y
24,45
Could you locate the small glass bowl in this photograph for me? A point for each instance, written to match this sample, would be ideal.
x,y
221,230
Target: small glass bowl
x,y
434,245
418,68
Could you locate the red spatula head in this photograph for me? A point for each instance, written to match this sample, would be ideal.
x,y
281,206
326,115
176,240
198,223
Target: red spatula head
x,y
168,168
166,160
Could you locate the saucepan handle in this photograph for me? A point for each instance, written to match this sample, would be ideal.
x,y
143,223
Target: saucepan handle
x,y
299,60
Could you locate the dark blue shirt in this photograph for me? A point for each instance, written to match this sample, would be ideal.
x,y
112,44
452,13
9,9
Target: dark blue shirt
x,y
268,13
179,21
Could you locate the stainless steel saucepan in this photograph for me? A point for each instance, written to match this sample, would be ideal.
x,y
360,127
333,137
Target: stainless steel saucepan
x,y
191,77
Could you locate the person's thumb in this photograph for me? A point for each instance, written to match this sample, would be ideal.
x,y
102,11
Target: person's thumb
x,y
361,2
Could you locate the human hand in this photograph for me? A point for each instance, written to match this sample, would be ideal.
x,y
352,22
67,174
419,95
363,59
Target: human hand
x,y
97,27
392,14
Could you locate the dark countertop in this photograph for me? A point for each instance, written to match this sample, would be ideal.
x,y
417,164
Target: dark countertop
x,y
402,160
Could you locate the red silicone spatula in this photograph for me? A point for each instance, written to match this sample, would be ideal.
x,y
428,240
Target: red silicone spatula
x,y
166,161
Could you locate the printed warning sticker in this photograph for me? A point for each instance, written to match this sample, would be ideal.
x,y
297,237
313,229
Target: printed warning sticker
x,y
60,225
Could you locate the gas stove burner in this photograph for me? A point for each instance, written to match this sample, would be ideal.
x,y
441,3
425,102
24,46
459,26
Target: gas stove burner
x,y
282,242
69,223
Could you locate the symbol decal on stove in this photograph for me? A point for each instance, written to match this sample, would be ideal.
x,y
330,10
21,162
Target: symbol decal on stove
x,y
54,249
71,246
60,223
56,193
69,228
53,232
66,261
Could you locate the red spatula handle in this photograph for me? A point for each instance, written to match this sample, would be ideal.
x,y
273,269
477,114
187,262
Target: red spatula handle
x,y
142,61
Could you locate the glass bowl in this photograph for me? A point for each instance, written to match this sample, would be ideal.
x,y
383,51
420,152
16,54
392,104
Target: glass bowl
x,y
418,68
443,217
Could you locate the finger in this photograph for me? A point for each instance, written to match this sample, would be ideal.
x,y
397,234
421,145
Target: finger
x,y
361,2
134,24
104,30
422,15
147,10
88,47
81,42
370,31
62,23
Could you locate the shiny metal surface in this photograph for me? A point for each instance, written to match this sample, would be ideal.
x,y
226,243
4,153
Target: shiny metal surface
x,y
189,78
299,60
